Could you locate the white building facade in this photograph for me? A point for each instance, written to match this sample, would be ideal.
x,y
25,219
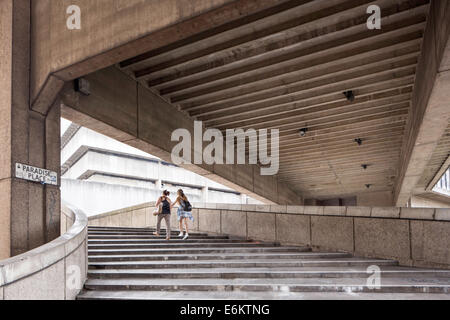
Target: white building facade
x,y
100,174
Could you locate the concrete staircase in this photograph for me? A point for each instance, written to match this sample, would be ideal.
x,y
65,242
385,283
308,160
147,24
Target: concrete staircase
x,y
129,263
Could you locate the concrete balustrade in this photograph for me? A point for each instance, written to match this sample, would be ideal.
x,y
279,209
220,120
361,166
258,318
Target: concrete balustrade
x,y
67,219
413,236
55,271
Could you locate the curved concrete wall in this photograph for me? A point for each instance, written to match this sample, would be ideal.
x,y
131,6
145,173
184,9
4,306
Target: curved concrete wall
x,y
55,271
413,236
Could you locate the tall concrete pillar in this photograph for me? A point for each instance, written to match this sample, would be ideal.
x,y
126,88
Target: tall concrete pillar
x,y
159,181
205,191
29,212
244,199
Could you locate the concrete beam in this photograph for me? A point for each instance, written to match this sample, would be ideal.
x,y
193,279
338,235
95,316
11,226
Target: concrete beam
x,y
114,31
293,54
190,61
430,110
121,108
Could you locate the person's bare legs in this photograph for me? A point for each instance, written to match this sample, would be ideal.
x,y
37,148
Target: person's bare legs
x,y
186,225
181,228
187,229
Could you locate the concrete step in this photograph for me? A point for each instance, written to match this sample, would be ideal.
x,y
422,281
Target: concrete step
x,y
269,263
175,244
236,295
355,285
215,256
131,263
163,227
92,228
141,233
151,241
265,273
143,237
185,250
135,230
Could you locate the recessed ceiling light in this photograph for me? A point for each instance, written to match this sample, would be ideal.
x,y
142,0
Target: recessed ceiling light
x,y
302,132
349,95
82,86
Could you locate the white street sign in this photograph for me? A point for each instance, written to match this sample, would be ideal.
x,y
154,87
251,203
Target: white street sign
x,y
31,173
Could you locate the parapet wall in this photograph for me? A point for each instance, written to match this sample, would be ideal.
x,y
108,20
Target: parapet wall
x,y
55,271
414,237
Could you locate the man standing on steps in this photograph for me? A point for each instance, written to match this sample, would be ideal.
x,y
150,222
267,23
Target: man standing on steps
x,y
165,213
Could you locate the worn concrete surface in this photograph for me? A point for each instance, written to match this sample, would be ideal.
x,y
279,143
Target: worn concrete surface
x,y
257,271
77,259
385,212
417,213
234,223
209,221
30,137
261,226
382,237
39,286
293,229
188,295
430,241
332,233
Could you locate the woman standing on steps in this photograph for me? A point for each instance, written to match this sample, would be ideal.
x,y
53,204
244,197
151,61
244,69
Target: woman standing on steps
x,y
165,213
184,213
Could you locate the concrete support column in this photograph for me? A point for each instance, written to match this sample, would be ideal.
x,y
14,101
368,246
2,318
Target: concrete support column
x,y
159,181
244,199
205,191
29,212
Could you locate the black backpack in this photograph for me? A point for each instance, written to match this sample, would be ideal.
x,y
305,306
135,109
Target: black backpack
x,y
187,206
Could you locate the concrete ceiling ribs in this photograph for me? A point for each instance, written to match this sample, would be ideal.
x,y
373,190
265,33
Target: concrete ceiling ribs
x,y
287,68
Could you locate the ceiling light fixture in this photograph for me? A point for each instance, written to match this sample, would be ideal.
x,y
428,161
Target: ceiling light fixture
x,y
349,95
302,132
83,86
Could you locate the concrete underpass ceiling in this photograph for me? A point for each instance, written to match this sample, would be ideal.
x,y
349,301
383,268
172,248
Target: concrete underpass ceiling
x,y
287,68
